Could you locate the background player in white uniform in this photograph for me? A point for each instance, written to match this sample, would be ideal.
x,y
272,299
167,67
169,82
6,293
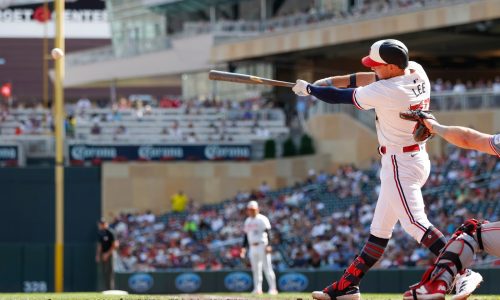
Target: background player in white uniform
x,y
470,238
403,85
257,234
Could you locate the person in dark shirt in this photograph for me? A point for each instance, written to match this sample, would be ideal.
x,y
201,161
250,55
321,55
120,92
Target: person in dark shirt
x,y
104,254
314,257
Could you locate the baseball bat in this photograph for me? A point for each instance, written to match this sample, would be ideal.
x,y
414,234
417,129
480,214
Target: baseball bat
x,y
244,78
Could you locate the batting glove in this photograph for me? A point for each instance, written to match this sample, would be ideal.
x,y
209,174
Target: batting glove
x,y
301,88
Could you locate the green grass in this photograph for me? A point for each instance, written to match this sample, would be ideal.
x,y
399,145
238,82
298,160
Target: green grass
x,y
219,296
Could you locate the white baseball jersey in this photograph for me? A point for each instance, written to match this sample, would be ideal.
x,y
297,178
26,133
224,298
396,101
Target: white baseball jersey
x,y
403,173
495,144
255,229
389,97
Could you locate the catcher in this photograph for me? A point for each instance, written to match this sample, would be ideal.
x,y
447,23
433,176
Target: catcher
x,y
471,237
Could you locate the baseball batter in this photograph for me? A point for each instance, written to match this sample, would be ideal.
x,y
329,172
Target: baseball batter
x,y
397,84
257,235
472,237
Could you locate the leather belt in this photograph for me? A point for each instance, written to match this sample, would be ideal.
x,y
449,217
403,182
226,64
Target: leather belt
x,y
255,244
412,148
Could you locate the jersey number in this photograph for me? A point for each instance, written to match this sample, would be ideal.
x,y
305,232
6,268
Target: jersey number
x,y
423,105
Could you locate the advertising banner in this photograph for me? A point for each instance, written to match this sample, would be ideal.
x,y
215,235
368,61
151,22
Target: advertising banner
x,y
290,281
89,152
11,155
84,19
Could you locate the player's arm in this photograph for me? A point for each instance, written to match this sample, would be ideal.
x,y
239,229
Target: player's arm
x,y
462,137
115,245
244,246
328,94
348,81
269,248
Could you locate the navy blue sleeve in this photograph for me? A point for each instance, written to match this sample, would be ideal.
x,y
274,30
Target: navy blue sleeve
x,y
245,240
330,94
269,237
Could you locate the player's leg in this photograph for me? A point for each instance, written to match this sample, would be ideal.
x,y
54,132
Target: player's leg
x,y
381,228
347,287
102,281
488,238
406,177
256,262
405,174
111,272
107,265
269,273
456,257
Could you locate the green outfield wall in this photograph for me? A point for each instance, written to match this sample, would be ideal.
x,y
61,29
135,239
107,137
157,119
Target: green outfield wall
x,y
27,249
27,228
375,281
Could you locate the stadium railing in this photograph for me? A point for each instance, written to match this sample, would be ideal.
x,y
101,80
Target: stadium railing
x,y
440,101
243,28
109,52
224,30
209,126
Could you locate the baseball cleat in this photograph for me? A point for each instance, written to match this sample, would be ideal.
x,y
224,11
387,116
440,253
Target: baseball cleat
x,y
330,293
466,283
273,292
432,290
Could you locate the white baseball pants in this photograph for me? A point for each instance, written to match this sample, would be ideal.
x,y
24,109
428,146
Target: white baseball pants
x,y
261,261
402,176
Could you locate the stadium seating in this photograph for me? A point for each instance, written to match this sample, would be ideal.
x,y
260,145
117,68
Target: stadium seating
x,y
190,122
326,215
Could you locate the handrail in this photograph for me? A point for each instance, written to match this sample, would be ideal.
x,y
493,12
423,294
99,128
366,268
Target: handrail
x,y
440,101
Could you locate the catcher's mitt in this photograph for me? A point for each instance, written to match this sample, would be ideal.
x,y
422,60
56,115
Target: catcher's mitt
x,y
420,132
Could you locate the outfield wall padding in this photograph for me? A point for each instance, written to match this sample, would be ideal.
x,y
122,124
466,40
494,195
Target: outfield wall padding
x,y
375,281
27,228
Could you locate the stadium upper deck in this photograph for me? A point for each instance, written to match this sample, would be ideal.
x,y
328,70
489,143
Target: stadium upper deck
x,y
294,38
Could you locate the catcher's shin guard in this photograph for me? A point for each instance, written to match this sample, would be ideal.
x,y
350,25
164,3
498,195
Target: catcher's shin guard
x,y
457,255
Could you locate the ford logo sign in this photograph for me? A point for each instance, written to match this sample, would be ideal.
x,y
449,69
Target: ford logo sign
x,y
238,282
140,282
293,282
188,282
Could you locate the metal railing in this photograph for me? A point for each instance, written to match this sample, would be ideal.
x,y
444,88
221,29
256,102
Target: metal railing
x,y
243,28
110,53
474,99
443,101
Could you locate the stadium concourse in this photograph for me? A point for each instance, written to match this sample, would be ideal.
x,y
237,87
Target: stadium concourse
x,y
318,223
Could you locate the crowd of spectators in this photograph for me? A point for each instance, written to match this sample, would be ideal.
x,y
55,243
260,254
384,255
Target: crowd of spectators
x,y
40,120
460,86
192,120
18,119
317,223
304,15
36,123
465,94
